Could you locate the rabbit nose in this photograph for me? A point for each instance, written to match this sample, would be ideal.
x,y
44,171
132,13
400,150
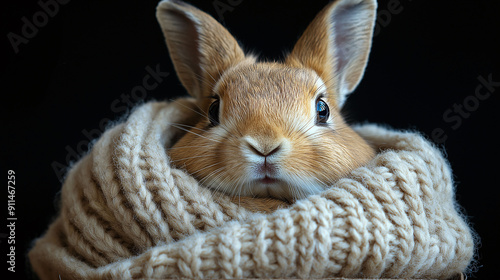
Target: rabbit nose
x,y
262,151
262,148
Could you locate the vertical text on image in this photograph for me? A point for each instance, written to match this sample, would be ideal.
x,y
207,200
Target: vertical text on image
x,y
11,220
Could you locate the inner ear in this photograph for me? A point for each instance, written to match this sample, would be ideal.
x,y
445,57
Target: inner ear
x,y
351,42
188,59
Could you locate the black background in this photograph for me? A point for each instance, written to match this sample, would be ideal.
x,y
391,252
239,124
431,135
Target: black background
x,y
60,86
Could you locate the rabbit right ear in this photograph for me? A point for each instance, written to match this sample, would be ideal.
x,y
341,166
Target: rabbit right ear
x,y
336,45
200,48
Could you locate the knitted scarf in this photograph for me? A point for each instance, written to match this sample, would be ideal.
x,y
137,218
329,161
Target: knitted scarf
x,y
126,213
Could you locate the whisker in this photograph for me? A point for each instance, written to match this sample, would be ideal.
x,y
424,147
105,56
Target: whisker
x,y
210,75
188,147
182,159
221,187
187,130
197,171
202,115
194,127
200,78
179,103
207,177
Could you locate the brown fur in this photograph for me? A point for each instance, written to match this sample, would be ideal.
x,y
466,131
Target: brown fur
x,y
269,104
260,204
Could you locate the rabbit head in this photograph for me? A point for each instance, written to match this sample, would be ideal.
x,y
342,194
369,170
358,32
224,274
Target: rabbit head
x,y
270,129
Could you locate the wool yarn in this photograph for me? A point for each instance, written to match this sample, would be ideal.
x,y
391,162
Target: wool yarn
x,y
126,213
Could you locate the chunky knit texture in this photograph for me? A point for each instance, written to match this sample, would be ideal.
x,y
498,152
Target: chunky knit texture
x,y
127,214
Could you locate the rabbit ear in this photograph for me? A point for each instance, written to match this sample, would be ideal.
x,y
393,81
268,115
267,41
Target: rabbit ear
x,y
200,48
336,45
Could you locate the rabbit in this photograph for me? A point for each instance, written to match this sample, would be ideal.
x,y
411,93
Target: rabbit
x,y
269,133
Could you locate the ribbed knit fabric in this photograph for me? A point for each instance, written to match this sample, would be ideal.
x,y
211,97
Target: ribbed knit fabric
x,y
127,214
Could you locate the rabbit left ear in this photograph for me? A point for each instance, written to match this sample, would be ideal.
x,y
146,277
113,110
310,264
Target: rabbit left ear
x,y
336,45
200,48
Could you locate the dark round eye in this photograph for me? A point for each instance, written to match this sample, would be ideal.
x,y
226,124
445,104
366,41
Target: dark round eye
x,y
213,113
322,112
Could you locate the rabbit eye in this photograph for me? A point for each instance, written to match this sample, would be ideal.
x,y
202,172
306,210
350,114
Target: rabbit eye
x,y
213,113
322,112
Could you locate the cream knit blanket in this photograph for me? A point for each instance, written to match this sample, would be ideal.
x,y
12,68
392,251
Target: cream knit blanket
x,y
127,214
